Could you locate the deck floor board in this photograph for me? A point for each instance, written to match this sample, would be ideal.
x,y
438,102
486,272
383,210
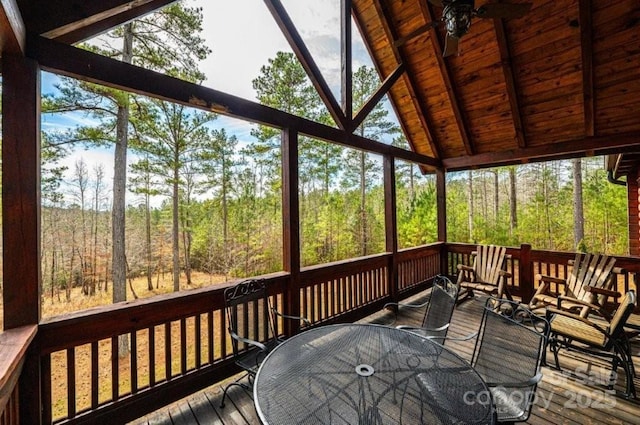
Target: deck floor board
x,y
562,398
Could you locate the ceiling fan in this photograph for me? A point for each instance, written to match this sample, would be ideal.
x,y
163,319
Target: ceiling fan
x,y
457,16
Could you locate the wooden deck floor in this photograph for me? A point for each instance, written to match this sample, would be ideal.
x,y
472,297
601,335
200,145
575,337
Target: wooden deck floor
x,y
561,398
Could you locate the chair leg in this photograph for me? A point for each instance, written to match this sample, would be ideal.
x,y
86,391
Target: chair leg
x,y
239,384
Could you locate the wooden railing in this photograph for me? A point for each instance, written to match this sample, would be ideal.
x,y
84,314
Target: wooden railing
x,y
176,344
14,344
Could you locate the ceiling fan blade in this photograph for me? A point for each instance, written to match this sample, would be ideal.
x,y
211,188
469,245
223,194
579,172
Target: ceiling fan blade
x,y
422,29
450,46
503,10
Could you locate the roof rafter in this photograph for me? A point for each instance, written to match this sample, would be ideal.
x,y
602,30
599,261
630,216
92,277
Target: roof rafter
x,y
586,42
71,21
12,30
427,13
512,91
306,60
383,13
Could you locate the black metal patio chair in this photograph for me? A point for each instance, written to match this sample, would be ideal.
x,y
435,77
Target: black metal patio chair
x,y
252,326
439,309
508,354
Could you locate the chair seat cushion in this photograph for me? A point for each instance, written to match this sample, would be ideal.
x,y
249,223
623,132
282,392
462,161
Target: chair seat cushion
x,y
575,329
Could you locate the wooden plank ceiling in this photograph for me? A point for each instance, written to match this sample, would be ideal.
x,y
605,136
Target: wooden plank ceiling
x,y
563,80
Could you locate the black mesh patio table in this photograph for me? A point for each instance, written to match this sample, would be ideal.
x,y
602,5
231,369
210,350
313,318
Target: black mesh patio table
x,y
368,374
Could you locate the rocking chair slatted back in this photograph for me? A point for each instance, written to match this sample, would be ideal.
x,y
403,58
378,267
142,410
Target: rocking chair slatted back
x,y
589,270
488,263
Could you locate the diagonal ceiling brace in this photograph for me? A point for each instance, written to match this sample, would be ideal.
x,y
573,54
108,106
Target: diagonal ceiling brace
x,y
306,60
375,97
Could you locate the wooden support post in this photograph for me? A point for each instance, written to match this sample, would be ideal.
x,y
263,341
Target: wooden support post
x,y
441,207
633,213
525,273
391,224
291,226
21,212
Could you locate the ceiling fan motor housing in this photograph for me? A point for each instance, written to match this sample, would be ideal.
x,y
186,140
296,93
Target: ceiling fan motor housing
x,y
457,17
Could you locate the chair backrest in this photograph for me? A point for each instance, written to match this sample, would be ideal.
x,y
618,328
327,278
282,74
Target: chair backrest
x,y
590,270
248,313
620,317
488,263
509,349
440,308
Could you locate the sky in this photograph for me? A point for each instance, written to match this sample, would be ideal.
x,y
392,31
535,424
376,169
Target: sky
x,y
243,35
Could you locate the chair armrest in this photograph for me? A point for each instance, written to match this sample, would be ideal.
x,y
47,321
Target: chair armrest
x,y
424,304
576,301
465,268
461,338
504,273
237,337
409,328
545,278
285,316
522,384
601,291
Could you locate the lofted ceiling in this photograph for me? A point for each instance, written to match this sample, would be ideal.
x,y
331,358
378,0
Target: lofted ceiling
x,y
562,81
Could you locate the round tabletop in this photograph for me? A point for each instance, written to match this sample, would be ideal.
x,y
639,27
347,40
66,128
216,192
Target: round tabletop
x,y
368,374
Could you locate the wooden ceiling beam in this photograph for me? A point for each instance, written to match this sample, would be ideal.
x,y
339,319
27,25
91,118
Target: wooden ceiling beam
x,y
418,104
512,90
71,21
445,73
346,60
12,29
377,96
586,42
81,64
306,60
562,149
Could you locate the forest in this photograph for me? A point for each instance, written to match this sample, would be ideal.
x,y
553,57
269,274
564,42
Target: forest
x,y
190,199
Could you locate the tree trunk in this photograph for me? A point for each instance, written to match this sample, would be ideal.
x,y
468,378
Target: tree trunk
x,y
470,201
148,237
496,197
513,216
578,211
119,267
174,231
363,205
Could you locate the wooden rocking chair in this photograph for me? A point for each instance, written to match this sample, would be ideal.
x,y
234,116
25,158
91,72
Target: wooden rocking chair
x,y
486,275
585,289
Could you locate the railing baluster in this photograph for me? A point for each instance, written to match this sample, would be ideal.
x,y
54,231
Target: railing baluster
x,y
95,371
183,345
152,355
115,356
167,351
71,382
